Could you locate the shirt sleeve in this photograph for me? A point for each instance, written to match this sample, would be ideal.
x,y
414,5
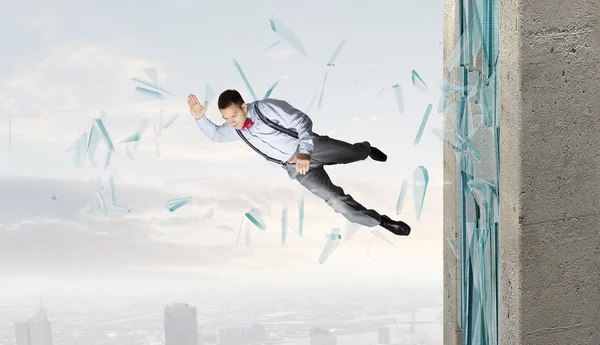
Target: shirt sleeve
x,y
222,133
291,118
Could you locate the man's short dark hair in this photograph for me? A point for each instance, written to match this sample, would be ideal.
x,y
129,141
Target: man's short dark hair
x,y
230,97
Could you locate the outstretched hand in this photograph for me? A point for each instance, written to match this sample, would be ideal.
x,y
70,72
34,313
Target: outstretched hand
x,y
302,161
196,109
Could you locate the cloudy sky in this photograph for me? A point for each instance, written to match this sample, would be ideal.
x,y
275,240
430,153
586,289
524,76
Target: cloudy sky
x,y
63,64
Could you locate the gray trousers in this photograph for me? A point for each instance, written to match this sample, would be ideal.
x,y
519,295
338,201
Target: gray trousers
x,y
329,151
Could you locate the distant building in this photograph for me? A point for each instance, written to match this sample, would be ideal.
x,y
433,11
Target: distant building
x,y
22,333
36,331
319,336
258,333
235,336
208,338
385,335
181,324
254,334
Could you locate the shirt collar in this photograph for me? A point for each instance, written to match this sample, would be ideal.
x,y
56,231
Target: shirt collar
x,y
251,112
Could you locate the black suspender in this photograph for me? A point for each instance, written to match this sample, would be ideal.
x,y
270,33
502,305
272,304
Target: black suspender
x,y
273,125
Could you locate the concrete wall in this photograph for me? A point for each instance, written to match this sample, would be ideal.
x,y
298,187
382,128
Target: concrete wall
x,y
550,172
452,334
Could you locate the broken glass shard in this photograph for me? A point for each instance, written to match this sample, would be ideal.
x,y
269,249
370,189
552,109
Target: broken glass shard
x,y
141,130
152,74
54,198
149,92
322,90
448,137
457,143
333,241
337,52
170,121
473,151
93,139
418,82
98,202
255,217
174,204
443,103
420,181
85,209
378,233
158,125
116,208
157,142
381,91
453,247
400,201
239,68
271,89
97,133
473,63
129,151
240,231
293,228
351,230
151,87
113,193
399,98
300,216
209,214
284,226
311,102
273,45
286,33
209,93
423,124
333,236
80,149
130,138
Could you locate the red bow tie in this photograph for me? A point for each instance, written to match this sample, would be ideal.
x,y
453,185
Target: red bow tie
x,y
247,124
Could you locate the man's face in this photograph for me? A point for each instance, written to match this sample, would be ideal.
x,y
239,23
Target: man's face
x,y
234,115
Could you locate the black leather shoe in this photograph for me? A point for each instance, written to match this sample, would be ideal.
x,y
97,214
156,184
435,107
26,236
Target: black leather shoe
x,y
396,227
377,155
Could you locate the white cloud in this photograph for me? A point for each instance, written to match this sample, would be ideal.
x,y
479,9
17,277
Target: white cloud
x,y
72,81
45,21
39,236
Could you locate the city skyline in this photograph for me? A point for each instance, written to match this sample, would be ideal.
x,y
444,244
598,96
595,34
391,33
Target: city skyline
x,y
284,315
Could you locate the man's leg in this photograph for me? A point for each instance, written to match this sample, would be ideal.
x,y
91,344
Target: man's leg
x,y
329,151
318,182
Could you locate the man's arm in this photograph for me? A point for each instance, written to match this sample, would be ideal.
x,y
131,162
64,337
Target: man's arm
x,y
221,134
290,117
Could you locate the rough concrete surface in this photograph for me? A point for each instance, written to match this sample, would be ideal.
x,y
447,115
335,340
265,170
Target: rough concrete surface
x,y
452,334
550,172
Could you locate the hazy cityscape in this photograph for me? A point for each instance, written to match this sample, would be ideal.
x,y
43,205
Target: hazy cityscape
x,y
241,315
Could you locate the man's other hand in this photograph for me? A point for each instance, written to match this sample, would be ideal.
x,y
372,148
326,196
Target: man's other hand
x,y
302,161
196,109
